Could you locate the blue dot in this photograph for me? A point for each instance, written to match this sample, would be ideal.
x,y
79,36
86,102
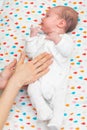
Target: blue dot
x,y
65,114
12,53
24,113
39,12
75,121
80,28
29,18
6,6
21,119
78,63
77,105
13,46
80,77
26,6
41,6
65,4
34,118
21,90
11,110
7,34
15,15
78,114
1,59
75,8
71,59
17,27
73,92
23,103
17,3
78,45
27,34
77,34
54,5
79,19
6,23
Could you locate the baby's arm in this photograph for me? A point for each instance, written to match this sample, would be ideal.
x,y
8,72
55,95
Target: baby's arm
x,y
34,31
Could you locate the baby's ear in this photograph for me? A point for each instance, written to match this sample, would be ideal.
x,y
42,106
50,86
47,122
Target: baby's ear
x,y
61,23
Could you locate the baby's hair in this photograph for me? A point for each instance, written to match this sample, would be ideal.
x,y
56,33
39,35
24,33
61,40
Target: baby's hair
x,y
70,16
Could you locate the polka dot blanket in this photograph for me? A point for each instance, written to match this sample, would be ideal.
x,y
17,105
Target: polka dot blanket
x,y
16,17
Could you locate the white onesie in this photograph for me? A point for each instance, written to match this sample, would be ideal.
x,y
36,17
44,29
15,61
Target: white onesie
x,y
48,93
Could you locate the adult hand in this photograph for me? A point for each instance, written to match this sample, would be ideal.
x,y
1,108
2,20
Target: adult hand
x,y
26,73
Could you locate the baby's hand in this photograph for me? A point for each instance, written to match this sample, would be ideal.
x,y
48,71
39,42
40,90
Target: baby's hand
x,y
34,31
54,37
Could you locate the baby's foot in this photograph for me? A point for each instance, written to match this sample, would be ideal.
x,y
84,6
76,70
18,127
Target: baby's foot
x,y
6,74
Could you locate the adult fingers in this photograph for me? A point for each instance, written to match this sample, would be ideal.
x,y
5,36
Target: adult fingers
x,y
44,66
21,59
41,59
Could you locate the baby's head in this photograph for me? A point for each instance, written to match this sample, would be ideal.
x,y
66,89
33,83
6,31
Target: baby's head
x,y
69,15
61,19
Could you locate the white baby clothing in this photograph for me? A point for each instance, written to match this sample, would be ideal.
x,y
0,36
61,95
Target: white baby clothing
x,y
48,93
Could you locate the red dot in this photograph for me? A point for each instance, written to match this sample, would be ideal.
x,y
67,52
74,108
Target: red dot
x,y
71,119
80,2
16,116
73,32
79,87
28,12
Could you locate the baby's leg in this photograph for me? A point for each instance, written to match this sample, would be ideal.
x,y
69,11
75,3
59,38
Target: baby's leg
x,y
58,105
6,74
43,110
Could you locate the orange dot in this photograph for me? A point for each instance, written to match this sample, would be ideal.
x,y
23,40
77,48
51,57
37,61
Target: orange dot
x,y
28,117
22,127
70,77
33,126
72,63
7,123
77,128
67,105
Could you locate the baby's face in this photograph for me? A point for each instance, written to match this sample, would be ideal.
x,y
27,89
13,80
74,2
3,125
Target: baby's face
x,y
50,21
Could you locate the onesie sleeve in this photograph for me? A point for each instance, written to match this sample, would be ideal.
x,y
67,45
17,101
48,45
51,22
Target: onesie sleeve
x,y
32,45
65,46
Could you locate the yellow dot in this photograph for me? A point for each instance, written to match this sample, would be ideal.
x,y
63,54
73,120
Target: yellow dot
x,y
82,117
17,10
33,11
71,113
23,26
72,87
85,32
25,2
77,56
20,18
82,97
15,37
82,12
82,71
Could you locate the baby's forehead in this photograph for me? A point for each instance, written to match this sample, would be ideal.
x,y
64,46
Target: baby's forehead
x,y
54,10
